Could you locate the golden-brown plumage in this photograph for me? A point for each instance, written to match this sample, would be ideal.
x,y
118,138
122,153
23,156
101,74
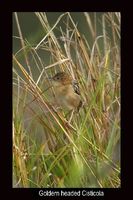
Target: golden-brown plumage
x,y
66,91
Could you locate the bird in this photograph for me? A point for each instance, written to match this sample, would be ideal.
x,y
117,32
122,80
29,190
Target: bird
x,y
67,91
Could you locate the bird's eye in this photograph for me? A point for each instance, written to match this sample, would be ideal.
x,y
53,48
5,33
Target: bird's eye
x,y
57,78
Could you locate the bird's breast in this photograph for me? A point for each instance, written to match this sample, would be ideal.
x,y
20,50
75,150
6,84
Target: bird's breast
x,y
67,97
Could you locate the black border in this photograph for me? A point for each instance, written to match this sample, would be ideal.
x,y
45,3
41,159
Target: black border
x,y
6,92
6,100
63,5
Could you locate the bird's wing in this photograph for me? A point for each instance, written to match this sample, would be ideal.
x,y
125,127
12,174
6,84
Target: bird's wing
x,y
76,87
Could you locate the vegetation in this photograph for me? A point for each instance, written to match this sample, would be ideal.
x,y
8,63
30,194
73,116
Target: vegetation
x,y
47,151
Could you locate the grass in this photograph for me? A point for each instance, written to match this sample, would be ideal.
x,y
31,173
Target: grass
x,y
47,152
